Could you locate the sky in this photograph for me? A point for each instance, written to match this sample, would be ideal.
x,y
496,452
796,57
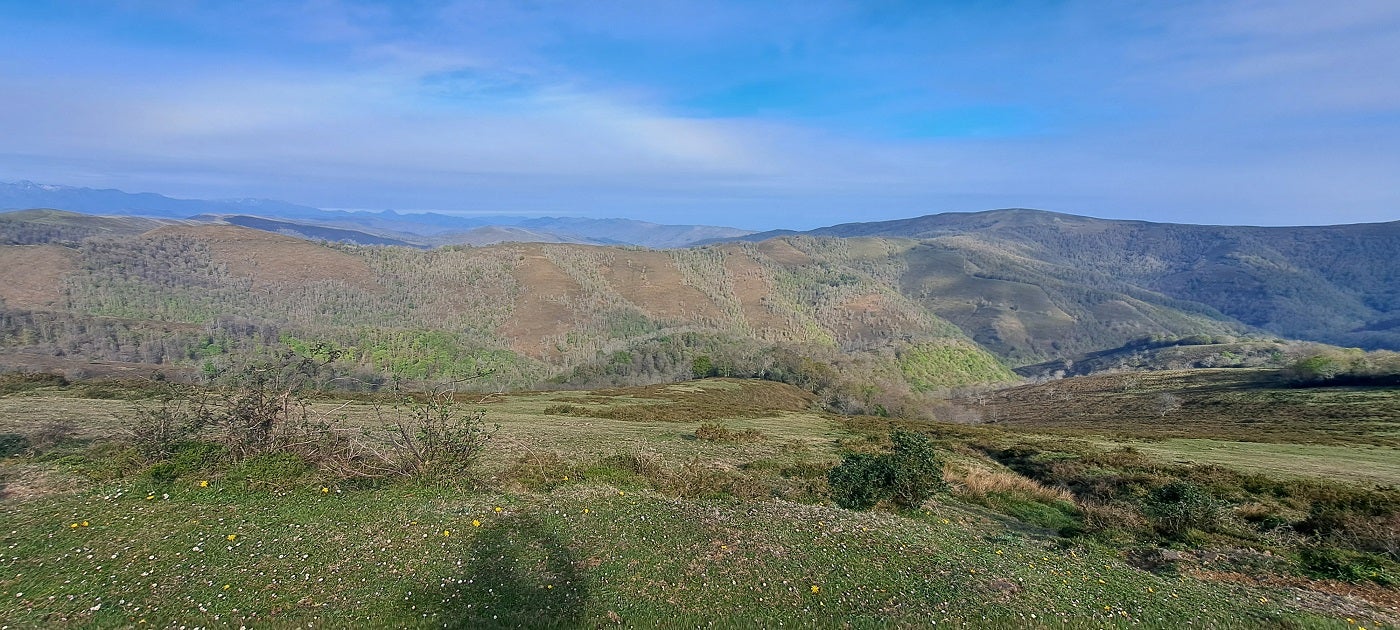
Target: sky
x,y
746,113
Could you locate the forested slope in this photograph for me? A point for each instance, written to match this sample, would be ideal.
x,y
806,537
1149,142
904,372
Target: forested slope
x,y
1338,284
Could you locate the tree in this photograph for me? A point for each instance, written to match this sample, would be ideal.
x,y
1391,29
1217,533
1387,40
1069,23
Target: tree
x,y
1165,404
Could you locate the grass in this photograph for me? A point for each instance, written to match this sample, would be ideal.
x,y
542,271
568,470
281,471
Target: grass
x,y
1248,405
580,555
1370,465
576,519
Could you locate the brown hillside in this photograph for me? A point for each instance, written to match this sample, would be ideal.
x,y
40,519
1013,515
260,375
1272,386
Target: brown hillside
x,y
273,260
543,313
31,276
753,287
783,252
650,280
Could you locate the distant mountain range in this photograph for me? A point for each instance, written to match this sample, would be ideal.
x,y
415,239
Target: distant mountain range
x,y
386,227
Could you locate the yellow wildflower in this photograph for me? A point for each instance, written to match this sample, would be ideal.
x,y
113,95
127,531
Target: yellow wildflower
x,y
226,586
476,523
324,490
204,484
816,589
232,536
74,526
498,509
84,523
446,532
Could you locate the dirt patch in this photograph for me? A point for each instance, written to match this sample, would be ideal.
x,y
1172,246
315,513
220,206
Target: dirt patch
x,y
1227,404
19,361
31,276
27,482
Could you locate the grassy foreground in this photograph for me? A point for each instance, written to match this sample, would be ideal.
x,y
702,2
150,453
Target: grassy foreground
x,y
590,509
584,554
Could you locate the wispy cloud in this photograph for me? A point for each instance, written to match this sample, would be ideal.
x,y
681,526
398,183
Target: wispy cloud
x,y
759,114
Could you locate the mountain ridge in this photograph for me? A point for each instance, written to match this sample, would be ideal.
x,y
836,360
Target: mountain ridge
x,y
385,227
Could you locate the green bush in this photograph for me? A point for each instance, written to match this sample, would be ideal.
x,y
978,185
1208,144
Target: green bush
x,y
916,470
1351,566
908,476
13,444
860,482
270,471
192,457
1180,507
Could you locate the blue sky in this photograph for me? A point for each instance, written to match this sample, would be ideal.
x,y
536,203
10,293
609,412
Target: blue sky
x,y
754,114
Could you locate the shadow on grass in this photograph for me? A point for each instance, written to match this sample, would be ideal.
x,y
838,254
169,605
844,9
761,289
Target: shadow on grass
x,y
517,574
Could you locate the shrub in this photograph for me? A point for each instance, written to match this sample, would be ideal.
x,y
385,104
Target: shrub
x,y
916,469
1179,507
13,444
908,476
155,431
435,437
1351,566
23,381
270,471
860,482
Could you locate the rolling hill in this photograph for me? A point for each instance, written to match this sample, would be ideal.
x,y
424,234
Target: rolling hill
x,y
1338,284
873,323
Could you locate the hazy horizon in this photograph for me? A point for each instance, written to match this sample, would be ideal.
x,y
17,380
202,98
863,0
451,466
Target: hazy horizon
x,y
753,115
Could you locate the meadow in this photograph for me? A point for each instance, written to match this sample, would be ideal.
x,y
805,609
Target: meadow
x,y
700,503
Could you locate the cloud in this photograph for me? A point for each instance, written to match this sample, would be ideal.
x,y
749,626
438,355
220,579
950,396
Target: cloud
x,y
757,114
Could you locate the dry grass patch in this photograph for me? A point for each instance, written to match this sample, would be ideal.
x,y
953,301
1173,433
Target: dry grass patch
x,y
979,483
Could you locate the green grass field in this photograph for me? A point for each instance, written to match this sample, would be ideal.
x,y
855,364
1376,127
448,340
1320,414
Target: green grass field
x,y
1373,465
552,532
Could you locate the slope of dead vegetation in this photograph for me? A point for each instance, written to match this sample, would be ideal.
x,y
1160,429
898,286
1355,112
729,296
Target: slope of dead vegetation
x,y
274,261
31,276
